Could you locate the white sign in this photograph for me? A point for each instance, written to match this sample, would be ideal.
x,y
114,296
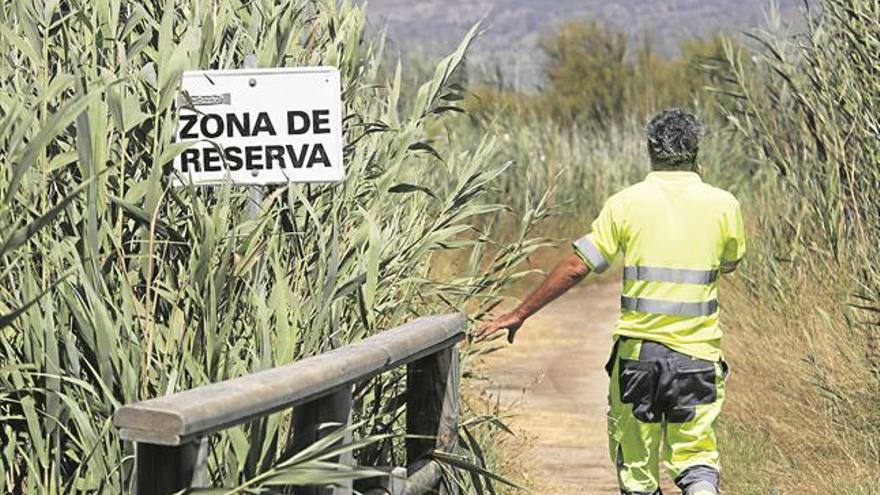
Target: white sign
x,y
260,126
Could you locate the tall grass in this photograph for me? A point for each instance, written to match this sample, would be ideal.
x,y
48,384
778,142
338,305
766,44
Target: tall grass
x,y
118,287
812,119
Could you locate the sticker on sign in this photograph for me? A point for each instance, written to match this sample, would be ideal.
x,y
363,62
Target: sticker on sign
x,y
260,126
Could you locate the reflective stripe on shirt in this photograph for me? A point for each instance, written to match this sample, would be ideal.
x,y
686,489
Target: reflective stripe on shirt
x,y
676,308
675,275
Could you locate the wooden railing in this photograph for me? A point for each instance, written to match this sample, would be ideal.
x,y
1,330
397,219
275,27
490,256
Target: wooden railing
x,y
169,432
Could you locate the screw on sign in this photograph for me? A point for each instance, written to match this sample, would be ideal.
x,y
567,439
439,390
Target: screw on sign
x,y
260,126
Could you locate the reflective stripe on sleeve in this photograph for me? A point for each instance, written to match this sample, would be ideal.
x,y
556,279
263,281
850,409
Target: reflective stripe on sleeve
x,y
591,253
677,308
676,275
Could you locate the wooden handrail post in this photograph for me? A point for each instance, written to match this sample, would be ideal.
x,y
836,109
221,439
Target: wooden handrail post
x,y
162,470
307,420
432,406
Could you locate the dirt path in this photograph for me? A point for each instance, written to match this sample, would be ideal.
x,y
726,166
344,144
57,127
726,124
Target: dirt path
x,y
554,376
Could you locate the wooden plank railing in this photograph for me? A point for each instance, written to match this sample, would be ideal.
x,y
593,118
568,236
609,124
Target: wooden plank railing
x,y
169,432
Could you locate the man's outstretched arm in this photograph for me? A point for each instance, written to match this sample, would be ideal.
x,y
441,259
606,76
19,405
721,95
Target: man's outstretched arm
x,y
565,276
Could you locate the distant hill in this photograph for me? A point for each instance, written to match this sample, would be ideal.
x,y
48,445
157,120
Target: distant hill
x,y
515,27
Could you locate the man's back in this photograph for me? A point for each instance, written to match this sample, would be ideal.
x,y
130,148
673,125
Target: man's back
x,y
676,233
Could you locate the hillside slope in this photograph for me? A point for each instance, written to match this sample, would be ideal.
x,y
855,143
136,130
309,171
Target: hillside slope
x,y
515,27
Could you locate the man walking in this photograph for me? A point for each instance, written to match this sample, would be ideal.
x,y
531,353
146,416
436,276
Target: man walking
x,y
677,234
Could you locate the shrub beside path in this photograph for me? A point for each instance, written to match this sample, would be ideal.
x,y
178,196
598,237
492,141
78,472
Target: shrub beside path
x,y
553,377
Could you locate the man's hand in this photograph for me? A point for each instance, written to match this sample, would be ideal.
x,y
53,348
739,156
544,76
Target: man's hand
x,y
509,321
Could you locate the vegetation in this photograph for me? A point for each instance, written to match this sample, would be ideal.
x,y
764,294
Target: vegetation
x,y
596,77
812,121
119,287
593,74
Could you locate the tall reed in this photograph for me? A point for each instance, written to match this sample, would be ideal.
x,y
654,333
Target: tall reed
x,y
119,287
809,110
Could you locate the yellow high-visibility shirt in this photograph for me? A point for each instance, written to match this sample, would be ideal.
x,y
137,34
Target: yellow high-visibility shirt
x,y
677,235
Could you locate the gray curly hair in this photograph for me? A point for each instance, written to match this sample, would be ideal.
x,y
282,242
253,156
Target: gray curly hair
x,y
673,138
